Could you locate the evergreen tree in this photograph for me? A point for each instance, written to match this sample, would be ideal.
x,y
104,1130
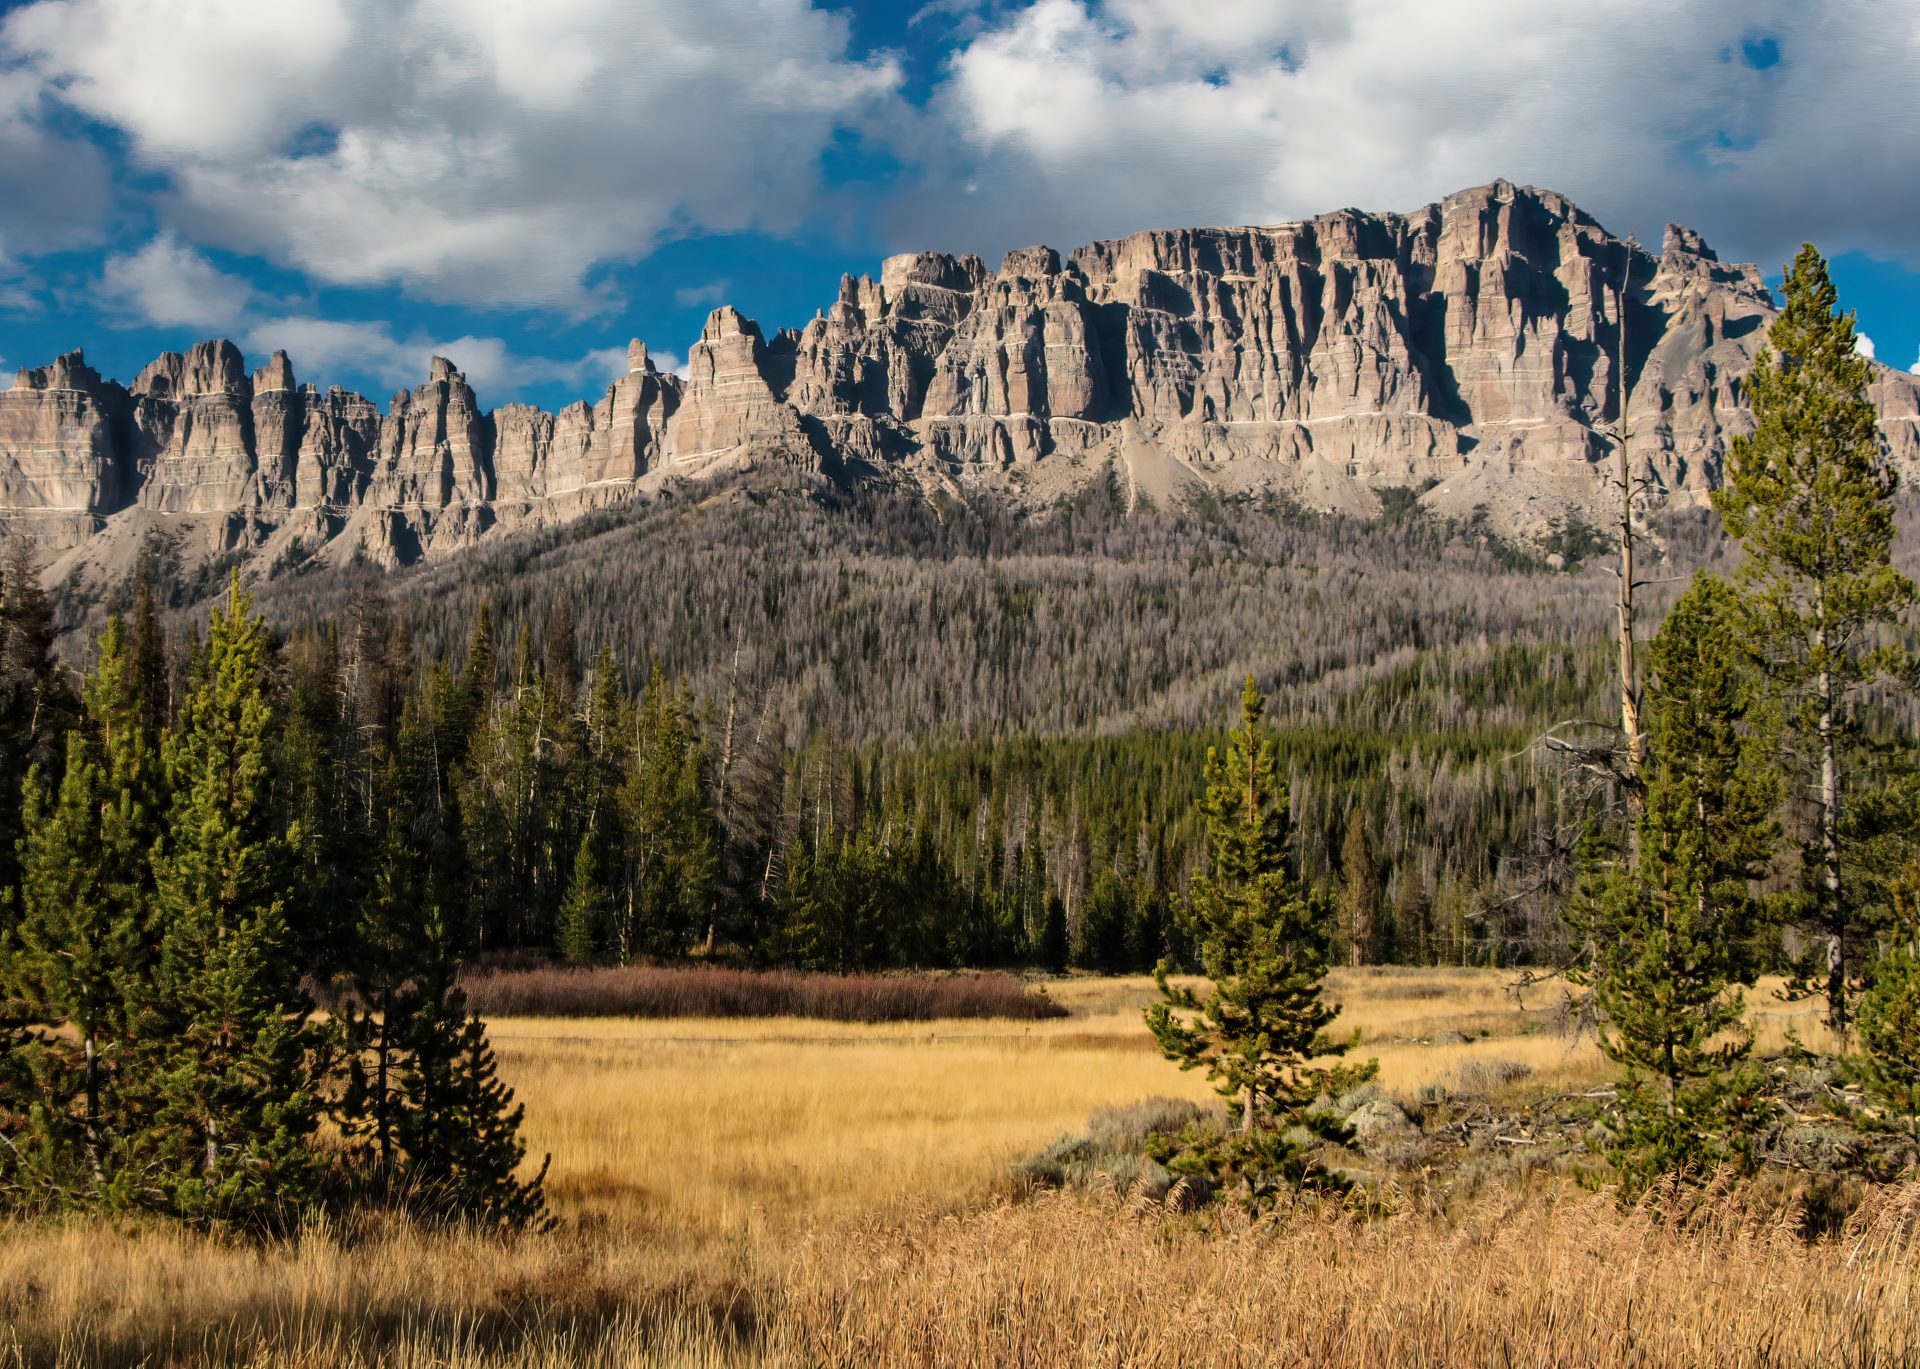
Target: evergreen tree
x,y
560,659
1890,1014
672,836
427,1122
1810,497
585,910
1264,941
34,705
1673,931
458,1124
236,1057
147,655
1053,935
1106,926
1359,892
78,958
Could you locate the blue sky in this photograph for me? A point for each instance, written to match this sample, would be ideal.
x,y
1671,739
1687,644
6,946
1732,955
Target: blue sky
x,y
524,184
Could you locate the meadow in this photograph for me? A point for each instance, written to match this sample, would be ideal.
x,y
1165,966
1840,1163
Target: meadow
x,y
797,1191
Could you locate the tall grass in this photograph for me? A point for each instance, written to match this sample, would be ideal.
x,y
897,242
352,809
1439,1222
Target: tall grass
x,y
1554,1277
711,991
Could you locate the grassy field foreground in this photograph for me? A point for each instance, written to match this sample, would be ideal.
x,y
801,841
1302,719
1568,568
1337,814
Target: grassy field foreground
x,y
792,1191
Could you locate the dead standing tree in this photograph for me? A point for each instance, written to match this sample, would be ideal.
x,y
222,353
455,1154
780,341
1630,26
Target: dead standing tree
x,y
1603,760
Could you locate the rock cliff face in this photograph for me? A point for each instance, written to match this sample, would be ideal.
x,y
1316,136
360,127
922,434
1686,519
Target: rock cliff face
x,y
1471,349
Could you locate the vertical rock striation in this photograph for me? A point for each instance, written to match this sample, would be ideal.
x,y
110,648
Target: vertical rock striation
x,y
1470,349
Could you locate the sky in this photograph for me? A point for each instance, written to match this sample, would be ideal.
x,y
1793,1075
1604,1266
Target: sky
x,y
522,185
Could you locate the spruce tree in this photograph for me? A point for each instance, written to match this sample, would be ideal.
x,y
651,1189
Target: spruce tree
x,y
1264,941
77,946
237,1059
1359,892
672,835
455,1121
1673,930
1053,935
585,909
35,706
1890,1014
1809,495
78,958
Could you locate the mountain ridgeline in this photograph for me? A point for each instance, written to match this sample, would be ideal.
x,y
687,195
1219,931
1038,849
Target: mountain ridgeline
x,y
1468,351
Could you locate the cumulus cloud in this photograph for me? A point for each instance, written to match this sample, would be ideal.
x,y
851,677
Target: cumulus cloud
x,y
371,352
167,284
1071,119
1863,345
471,151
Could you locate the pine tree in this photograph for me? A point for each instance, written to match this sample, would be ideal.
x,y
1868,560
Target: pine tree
x,y
1673,930
78,957
585,909
1810,497
1053,935
35,707
1890,1013
456,1123
237,1059
1359,892
671,831
147,655
428,1124
560,659
1264,941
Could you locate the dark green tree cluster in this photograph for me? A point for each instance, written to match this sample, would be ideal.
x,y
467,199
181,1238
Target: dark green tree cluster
x,y
175,885
1753,716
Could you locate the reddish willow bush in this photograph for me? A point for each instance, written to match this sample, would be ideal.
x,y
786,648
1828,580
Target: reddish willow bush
x,y
707,991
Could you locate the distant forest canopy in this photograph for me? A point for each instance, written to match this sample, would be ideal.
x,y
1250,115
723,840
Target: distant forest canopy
x,y
888,730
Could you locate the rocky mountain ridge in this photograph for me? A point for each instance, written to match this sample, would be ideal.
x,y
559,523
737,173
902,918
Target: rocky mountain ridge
x,y
1468,349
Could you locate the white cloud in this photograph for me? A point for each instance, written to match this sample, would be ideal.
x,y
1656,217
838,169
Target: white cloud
x,y
714,292
322,349
472,151
1081,120
169,285
53,189
1863,345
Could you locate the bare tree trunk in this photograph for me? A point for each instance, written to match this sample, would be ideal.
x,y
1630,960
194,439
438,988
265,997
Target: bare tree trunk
x,y
722,809
1836,916
93,1107
1623,472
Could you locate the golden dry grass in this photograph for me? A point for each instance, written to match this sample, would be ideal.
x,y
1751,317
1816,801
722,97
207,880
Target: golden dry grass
x,y
1547,1277
822,1193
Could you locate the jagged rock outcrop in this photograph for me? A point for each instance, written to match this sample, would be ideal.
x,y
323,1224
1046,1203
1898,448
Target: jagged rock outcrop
x,y
1471,349
61,464
193,431
729,408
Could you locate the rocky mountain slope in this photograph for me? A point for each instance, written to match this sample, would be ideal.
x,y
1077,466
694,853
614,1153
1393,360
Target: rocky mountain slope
x,y
1468,349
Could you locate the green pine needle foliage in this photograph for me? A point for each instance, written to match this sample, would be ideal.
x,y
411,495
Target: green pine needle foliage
x,y
1809,495
1260,1032
1672,931
235,1055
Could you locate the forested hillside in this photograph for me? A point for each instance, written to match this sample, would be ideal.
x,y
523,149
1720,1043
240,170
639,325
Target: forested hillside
x,y
1025,700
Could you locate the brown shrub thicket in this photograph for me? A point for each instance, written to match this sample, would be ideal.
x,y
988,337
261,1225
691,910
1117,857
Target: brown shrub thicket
x,y
706,991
